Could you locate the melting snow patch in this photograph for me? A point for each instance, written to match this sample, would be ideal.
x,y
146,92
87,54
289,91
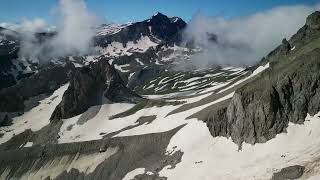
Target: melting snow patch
x,y
134,173
93,128
255,72
163,122
140,62
116,49
29,144
119,67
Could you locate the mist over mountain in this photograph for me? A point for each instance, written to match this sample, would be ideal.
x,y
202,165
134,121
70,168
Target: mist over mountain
x,y
161,98
74,32
244,40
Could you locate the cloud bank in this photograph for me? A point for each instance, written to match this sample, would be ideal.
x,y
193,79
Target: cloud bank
x,y
243,40
75,30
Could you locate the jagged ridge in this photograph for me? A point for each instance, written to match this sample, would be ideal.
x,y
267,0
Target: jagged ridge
x,y
284,93
89,85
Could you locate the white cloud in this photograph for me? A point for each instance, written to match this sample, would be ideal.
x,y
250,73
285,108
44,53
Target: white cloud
x,y
244,40
75,30
76,27
36,25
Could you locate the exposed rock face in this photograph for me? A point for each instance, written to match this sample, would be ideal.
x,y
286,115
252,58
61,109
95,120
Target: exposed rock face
x,y
8,51
284,93
291,172
88,86
13,99
313,21
159,26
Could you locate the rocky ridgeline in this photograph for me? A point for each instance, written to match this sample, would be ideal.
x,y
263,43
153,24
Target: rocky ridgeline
x,y
45,82
89,86
284,93
158,26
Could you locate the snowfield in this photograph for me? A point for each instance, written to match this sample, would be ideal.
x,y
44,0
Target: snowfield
x,y
220,158
204,157
71,131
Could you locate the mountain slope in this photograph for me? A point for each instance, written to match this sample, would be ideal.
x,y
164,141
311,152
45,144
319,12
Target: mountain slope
x,y
260,122
89,86
284,93
159,28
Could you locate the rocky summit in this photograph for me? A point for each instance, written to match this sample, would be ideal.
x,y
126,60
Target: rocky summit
x,y
92,85
284,93
136,105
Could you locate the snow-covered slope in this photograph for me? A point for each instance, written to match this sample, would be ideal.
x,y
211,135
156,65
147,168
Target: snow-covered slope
x,y
204,156
109,29
220,122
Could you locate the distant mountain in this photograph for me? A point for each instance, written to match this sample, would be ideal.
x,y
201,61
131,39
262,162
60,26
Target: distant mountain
x,y
159,28
9,47
112,40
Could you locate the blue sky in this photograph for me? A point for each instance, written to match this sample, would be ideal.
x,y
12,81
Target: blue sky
x,y
121,11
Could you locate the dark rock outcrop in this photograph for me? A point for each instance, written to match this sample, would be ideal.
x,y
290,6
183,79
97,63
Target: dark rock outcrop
x,y
158,26
313,21
46,81
9,47
291,172
284,93
89,85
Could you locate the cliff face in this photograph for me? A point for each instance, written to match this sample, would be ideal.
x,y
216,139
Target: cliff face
x,y
284,93
89,85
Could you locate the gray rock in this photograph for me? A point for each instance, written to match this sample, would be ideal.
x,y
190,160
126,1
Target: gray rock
x,y
313,21
89,86
284,93
289,173
22,96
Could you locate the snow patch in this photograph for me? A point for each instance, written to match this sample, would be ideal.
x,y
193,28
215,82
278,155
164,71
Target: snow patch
x,y
119,67
116,49
132,174
70,131
222,160
28,144
36,118
255,72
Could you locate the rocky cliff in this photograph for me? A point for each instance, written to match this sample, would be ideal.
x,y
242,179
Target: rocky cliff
x,y
89,86
284,93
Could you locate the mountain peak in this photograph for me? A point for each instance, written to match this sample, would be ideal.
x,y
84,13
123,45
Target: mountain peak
x,y
313,20
159,16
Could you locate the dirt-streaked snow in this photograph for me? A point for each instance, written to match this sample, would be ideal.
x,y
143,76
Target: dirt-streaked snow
x,y
36,118
163,122
259,70
70,131
85,163
220,158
